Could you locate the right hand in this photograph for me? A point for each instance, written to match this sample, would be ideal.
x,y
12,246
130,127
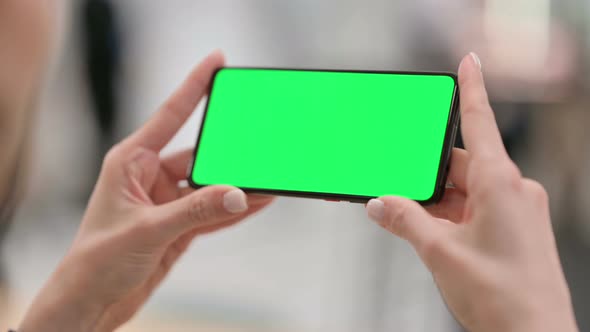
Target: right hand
x,y
489,243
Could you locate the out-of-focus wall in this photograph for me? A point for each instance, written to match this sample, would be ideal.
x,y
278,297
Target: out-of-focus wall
x,y
302,265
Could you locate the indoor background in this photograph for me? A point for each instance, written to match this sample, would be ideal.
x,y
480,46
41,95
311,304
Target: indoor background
x,y
302,265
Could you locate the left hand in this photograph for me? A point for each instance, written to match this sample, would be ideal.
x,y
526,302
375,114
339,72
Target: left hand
x,y
137,224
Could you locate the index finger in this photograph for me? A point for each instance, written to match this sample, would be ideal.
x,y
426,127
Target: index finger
x,y
163,125
478,124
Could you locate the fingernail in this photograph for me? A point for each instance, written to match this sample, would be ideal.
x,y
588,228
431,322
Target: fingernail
x,y
476,59
376,209
235,201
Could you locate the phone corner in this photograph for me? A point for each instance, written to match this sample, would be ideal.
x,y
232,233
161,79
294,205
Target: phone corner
x,y
215,75
192,183
454,76
435,198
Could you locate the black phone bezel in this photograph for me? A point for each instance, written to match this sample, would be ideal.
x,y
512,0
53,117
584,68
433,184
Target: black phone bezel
x,y
444,163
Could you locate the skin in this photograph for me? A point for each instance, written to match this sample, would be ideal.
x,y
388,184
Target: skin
x,y
138,223
489,244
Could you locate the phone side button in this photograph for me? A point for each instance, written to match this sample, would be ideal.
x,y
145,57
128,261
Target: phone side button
x,y
332,200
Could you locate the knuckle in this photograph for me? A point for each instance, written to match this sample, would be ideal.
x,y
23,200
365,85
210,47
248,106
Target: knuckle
x,y
202,82
113,156
199,211
397,220
433,250
145,224
537,191
512,175
478,108
172,108
498,174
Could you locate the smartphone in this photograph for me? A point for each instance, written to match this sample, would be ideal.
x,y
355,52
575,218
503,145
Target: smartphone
x,y
331,134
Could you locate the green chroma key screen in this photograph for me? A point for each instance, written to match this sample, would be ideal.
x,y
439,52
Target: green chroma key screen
x,y
331,133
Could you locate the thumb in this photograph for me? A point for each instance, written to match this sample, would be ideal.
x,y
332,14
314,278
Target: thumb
x,y
202,209
406,219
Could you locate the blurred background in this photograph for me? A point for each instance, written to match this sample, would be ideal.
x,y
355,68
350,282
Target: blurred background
x,y
302,265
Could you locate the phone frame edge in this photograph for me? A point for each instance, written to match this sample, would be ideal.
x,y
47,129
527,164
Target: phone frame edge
x,y
444,164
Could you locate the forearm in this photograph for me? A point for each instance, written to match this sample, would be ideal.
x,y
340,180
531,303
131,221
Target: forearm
x,y
540,318
57,317
61,307
549,323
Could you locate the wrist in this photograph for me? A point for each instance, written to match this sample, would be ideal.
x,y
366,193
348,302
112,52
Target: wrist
x,y
548,325
546,319
62,305
530,314
550,322
59,314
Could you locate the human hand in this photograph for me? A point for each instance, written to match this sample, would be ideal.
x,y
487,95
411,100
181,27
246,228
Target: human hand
x,y
137,224
489,243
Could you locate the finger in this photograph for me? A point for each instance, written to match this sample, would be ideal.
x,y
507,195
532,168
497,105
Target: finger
x,y
176,164
406,219
183,241
254,199
458,170
184,191
180,245
158,131
255,207
205,207
478,124
451,207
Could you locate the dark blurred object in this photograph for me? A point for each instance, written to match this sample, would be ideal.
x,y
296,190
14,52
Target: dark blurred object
x,y
574,252
11,196
102,59
7,209
10,200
